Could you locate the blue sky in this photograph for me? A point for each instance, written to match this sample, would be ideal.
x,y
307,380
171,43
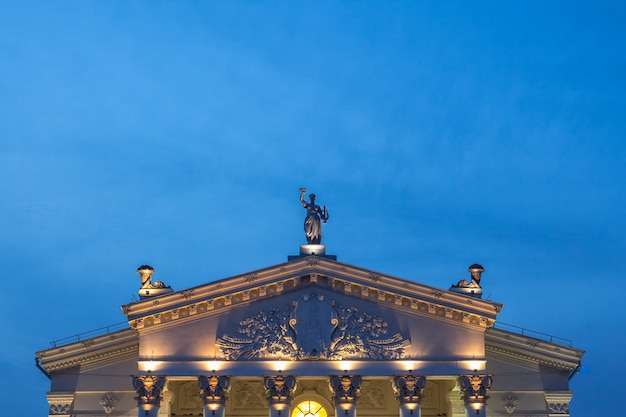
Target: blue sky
x,y
439,134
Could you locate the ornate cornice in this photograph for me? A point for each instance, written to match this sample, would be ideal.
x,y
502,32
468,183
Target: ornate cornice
x,y
92,351
532,350
218,296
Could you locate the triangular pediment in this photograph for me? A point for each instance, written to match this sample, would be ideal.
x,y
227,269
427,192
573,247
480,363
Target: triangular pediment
x,y
311,271
311,308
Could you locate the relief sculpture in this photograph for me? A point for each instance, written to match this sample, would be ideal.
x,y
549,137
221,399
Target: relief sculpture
x,y
313,327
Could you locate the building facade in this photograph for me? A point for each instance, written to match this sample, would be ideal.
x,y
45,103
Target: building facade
x,y
312,337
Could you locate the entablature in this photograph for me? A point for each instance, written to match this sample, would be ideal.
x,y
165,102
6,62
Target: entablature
x,y
320,368
92,351
532,350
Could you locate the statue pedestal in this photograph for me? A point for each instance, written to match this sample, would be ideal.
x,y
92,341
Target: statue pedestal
x,y
312,250
471,291
153,292
319,250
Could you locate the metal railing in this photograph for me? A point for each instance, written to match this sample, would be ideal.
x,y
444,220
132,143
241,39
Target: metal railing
x,y
92,333
498,325
532,333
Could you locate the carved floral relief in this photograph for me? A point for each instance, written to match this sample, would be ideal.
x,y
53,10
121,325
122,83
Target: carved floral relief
x,y
313,327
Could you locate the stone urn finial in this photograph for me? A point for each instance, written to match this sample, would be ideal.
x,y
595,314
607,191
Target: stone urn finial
x,y
472,286
476,271
149,288
145,273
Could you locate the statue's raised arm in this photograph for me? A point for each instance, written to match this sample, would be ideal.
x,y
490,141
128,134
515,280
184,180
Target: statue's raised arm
x,y
302,192
313,220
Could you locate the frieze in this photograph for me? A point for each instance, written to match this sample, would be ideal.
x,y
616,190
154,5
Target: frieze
x,y
313,327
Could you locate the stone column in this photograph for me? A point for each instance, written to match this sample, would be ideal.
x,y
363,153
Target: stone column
x,y
409,389
345,390
558,403
149,389
214,389
474,389
280,390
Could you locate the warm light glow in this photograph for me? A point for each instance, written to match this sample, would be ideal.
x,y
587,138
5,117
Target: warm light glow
x,y
149,366
213,365
309,409
476,365
214,407
407,365
345,366
279,366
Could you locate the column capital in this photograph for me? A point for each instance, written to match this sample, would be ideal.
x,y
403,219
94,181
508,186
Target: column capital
x,y
149,389
474,388
279,388
345,388
409,388
214,389
558,403
60,403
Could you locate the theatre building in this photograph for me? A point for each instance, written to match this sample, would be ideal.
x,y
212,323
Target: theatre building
x,y
311,337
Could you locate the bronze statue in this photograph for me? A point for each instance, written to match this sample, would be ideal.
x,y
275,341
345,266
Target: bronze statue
x,y
314,216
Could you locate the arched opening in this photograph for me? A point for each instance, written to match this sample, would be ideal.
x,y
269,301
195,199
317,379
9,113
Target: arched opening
x,y
309,409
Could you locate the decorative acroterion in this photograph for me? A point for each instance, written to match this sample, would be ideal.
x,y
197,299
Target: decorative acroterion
x,y
472,286
149,288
